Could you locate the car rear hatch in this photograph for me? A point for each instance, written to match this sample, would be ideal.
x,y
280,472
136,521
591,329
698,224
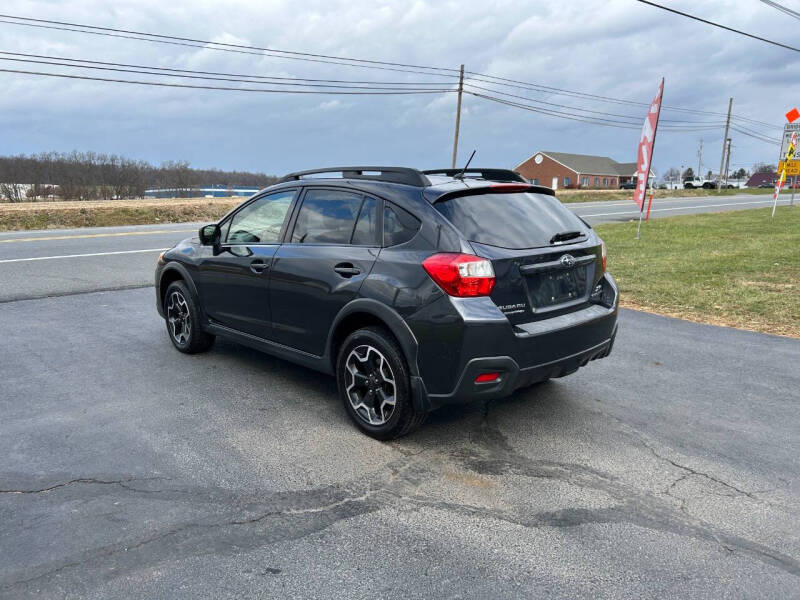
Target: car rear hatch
x,y
547,261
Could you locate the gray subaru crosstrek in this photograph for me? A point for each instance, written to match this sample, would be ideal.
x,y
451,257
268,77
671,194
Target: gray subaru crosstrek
x,y
414,288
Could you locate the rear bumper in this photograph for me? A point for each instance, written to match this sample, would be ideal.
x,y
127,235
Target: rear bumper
x,y
521,355
512,377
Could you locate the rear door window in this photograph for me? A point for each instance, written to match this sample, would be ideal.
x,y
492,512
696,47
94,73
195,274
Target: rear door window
x,y
327,217
366,230
517,220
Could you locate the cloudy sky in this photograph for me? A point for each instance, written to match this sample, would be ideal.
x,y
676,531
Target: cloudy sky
x,y
612,48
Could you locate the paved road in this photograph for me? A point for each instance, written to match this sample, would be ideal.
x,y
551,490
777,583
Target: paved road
x,y
129,470
608,212
57,262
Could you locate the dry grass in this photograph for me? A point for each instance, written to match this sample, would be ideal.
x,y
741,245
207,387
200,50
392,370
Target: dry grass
x,y
740,269
105,213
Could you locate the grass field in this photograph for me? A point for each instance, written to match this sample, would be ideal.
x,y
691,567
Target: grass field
x,y
105,213
740,269
568,196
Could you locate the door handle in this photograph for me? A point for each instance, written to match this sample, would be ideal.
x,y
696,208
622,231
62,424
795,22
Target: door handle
x,y
258,266
346,269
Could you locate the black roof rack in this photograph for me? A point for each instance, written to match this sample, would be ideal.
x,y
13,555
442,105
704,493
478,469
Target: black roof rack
x,y
404,175
489,174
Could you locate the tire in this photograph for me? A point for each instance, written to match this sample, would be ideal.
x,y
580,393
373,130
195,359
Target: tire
x,y
182,317
688,186
371,369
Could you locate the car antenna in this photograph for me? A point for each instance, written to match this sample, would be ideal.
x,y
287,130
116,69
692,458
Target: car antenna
x,y
464,170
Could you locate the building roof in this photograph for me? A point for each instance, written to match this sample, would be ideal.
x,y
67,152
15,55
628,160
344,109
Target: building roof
x,y
756,179
588,164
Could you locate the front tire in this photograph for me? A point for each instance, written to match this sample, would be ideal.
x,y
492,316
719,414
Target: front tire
x,y
182,316
373,383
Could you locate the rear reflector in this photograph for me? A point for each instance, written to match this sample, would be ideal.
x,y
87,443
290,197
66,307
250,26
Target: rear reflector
x,y
487,377
461,275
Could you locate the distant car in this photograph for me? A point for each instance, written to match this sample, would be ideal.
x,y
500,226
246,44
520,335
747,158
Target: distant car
x,y
766,185
630,185
697,182
662,186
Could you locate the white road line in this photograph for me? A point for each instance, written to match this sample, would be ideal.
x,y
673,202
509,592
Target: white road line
x,y
636,212
14,260
628,202
90,235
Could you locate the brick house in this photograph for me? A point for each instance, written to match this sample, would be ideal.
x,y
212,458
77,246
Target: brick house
x,y
563,170
757,179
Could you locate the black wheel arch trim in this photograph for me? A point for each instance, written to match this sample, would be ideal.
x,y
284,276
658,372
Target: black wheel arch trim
x,y
395,323
174,266
402,333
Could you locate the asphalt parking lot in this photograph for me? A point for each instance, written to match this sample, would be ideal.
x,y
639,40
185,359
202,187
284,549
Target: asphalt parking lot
x,y
130,470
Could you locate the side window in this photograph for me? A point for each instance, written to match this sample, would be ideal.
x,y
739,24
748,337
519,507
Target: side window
x,y
399,226
260,222
326,217
366,231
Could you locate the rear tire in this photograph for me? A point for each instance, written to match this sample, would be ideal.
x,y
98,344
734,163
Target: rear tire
x,y
373,382
182,316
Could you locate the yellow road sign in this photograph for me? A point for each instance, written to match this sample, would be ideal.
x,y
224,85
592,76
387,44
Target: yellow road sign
x,y
792,169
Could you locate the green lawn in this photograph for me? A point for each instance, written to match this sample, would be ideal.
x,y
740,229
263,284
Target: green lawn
x,y
739,268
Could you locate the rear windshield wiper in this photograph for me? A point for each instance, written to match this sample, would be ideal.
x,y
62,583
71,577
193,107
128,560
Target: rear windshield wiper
x,y
565,236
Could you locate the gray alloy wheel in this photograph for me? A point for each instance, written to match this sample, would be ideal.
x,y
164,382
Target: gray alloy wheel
x,y
370,385
179,318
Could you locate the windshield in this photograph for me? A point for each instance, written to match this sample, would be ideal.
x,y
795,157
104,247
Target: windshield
x,y
522,220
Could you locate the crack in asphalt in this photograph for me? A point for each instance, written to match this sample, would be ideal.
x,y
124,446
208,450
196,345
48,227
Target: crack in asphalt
x,y
96,290
86,480
251,520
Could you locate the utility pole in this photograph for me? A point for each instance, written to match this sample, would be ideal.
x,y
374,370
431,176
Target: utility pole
x,y
458,116
724,144
700,160
727,163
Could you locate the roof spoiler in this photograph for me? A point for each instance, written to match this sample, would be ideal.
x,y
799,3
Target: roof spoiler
x,y
488,174
498,187
404,175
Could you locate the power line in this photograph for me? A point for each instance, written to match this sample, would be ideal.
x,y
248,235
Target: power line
x,y
234,50
713,24
266,77
232,89
336,60
756,136
584,119
143,70
205,42
636,118
783,9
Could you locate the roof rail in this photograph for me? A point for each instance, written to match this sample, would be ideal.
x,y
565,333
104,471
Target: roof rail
x,y
403,175
488,174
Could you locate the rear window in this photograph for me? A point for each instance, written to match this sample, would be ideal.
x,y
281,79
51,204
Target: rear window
x,y
521,220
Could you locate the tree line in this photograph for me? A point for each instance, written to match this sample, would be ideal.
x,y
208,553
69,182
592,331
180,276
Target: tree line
x,y
94,176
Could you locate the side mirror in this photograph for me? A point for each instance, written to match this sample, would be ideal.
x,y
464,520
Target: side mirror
x,y
210,235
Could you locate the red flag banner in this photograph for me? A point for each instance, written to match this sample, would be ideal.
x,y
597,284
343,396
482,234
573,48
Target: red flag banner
x,y
646,143
793,115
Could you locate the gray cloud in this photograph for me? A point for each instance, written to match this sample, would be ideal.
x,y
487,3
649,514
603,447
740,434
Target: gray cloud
x,y
614,48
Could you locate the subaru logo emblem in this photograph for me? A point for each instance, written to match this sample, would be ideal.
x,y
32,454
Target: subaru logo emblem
x,y
568,261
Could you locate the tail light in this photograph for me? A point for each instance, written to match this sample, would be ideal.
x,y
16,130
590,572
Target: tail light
x,y
461,275
603,248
